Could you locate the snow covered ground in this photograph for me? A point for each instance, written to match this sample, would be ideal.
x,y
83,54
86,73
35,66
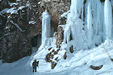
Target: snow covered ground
x,y
77,63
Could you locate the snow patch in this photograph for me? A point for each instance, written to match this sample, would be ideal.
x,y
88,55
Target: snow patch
x,y
32,22
12,11
21,7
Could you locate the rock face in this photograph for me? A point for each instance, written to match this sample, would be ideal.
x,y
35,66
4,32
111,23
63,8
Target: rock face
x,y
53,56
50,57
59,36
15,42
2,23
3,19
96,67
20,25
3,4
65,56
62,21
71,49
55,9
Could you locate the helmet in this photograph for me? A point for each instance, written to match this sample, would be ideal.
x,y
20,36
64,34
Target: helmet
x,y
35,60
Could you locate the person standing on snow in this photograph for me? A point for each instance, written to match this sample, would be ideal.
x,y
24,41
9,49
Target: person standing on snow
x,y
34,65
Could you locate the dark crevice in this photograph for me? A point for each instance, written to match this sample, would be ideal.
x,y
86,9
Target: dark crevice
x,y
54,24
36,40
71,38
102,0
84,1
12,0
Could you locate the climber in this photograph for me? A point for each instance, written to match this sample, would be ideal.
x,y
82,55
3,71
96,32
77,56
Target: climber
x,y
34,65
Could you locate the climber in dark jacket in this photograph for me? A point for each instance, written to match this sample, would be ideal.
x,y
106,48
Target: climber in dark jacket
x,y
34,65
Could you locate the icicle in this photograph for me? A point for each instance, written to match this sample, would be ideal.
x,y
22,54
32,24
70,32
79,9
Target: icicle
x,y
45,26
82,13
89,26
108,18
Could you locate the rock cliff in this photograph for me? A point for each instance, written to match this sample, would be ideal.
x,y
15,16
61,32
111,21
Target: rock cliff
x,y
21,24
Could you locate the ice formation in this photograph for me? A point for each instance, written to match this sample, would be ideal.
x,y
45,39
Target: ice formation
x,y
85,27
108,19
89,25
94,30
75,27
45,26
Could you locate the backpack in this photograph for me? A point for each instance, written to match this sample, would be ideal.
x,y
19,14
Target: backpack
x,y
37,63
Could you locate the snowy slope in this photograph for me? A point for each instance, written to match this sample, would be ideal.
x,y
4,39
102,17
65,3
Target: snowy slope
x,y
77,64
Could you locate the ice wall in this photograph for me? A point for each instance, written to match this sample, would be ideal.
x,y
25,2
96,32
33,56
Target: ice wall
x,y
75,27
90,30
97,11
76,8
85,24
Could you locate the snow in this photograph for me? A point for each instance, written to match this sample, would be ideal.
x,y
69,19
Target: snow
x,y
39,2
12,11
6,27
78,64
17,0
27,5
6,34
63,26
3,11
65,14
16,25
21,7
11,4
32,22
80,61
